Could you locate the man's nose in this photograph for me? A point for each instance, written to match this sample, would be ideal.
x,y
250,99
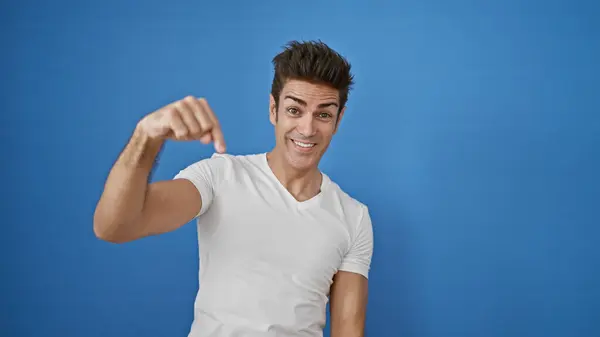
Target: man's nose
x,y
306,125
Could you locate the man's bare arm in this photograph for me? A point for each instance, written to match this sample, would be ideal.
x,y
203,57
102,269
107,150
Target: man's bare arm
x,y
129,207
349,294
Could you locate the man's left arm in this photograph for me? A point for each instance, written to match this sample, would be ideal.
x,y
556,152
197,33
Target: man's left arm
x,y
349,291
348,305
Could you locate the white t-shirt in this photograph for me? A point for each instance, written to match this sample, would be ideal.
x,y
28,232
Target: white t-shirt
x,y
267,260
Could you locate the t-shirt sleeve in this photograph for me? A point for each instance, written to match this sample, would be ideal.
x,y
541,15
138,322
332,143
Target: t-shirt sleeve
x,y
358,258
206,175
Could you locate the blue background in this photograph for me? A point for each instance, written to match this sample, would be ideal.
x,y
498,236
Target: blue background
x,y
473,134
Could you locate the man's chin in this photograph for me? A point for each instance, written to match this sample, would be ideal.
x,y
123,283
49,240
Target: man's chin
x,y
302,161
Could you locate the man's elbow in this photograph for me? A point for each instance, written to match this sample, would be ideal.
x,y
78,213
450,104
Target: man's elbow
x,y
107,229
108,237
103,234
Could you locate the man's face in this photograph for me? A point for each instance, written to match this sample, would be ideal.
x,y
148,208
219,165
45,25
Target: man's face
x,y
305,121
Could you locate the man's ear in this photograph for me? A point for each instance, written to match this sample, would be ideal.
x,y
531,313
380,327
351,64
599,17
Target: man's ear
x,y
339,119
272,110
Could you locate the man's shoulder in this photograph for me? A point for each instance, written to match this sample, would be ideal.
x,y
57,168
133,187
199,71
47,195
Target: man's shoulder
x,y
232,160
223,166
344,204
235,157
344,196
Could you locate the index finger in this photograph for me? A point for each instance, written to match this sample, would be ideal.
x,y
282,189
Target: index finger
x,y
216,132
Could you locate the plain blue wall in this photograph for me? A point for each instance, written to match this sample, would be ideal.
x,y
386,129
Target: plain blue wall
x,y
473,134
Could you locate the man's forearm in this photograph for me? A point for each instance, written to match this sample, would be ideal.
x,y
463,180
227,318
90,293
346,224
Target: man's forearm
x,y
347,318
124,191
350,328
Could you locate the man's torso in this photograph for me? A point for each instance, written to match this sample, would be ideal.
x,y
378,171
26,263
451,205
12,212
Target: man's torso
x,y
267,260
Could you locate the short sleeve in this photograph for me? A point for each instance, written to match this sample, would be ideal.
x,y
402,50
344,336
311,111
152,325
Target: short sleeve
x,y
206,175
358,258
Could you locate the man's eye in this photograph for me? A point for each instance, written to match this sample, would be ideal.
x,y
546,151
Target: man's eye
x,y
293,111
324,115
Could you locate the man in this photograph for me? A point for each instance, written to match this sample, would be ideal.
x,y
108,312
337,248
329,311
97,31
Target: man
x,y
277,237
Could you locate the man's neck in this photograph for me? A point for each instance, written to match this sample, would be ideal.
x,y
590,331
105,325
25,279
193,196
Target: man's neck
x,y
302,184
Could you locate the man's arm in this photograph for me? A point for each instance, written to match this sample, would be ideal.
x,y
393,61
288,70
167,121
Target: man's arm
x,y
348,304
349,290
129,207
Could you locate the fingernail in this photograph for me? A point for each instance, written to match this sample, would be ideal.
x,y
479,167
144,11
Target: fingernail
x,y
219,147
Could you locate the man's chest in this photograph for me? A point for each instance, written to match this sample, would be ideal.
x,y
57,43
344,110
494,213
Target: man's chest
x,y
264,233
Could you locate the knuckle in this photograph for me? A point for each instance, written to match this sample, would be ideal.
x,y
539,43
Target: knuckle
x,y
172,110
171,113
165,113
180,105
189,98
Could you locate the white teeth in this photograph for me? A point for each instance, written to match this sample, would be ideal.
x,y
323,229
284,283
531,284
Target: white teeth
x,y
305,145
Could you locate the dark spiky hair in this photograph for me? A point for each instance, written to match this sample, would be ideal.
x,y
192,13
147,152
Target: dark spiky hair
x,y
312,61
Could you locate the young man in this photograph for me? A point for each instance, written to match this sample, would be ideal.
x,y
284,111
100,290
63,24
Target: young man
x,y
277,237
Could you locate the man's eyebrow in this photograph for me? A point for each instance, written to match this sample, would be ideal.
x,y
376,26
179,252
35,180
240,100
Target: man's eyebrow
x,y
303,103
